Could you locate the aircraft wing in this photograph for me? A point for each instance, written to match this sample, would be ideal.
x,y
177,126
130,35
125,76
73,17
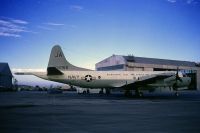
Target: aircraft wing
x,y
42,75
148,80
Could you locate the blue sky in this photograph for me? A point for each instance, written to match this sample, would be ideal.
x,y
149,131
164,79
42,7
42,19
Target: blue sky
x,y
91,30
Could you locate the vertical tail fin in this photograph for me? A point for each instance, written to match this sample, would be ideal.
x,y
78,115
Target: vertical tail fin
x,y
57,60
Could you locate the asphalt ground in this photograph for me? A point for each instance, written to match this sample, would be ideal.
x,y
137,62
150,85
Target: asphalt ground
x,y
69,112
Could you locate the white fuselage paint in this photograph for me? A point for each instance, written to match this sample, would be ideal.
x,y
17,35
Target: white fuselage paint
x,y
103,79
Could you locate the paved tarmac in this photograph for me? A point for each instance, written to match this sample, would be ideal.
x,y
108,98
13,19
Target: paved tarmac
x,y
39,112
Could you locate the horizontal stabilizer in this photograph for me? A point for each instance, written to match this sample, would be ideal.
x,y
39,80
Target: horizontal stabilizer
x,y
23,73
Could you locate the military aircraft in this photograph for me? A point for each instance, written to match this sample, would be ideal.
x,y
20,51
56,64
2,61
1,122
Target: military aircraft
x,y
60,70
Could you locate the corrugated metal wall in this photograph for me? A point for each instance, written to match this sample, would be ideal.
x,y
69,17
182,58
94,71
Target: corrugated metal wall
x,y
6,81
5,77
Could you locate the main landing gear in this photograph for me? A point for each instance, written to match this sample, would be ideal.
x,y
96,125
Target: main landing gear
x,y
86,91
176,94
138,93
106,89
128,93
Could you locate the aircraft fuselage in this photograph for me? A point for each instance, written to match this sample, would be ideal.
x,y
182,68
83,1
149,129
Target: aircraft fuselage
x,y
103,79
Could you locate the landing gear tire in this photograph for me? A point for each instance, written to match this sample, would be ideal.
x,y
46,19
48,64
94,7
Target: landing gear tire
x,y
84,92
176,94
128,93
138,93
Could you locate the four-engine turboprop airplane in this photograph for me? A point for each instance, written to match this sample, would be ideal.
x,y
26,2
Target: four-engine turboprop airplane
x,y
60,70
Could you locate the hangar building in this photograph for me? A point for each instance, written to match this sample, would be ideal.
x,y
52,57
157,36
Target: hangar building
x,y
132,63
5,77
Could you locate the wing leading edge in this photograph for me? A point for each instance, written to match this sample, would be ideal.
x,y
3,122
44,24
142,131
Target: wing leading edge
x,y
144,81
